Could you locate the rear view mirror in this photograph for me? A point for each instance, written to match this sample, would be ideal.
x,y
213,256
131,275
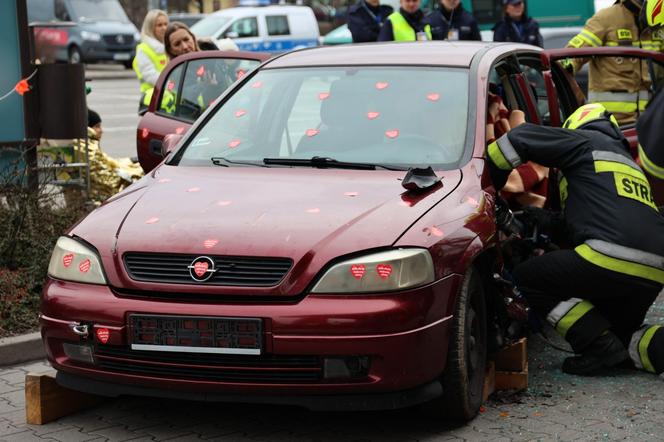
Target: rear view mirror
x,y
231,34
170,141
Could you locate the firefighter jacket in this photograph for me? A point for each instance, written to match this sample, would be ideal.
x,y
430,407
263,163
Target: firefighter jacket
x,y
365,21
609,211
457,24
651,137
620,84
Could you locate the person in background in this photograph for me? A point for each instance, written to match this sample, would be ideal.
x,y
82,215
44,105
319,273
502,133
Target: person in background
x,y
451,22
516,26
406,24
365,18
150,57
179,40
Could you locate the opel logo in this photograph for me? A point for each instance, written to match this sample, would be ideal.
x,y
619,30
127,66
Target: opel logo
x,y
119,39
201,269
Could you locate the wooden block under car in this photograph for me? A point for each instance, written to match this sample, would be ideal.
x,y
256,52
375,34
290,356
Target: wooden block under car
x,y
512,380
46,401
489,381
514,357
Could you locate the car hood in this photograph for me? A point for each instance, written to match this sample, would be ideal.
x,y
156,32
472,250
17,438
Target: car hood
x,y
309,215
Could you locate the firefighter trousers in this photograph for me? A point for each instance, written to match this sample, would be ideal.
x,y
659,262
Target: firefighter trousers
x,y
582,301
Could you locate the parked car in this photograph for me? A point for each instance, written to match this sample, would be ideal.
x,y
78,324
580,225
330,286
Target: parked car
x,y
283,252
187,18
101,30
266,29
162,117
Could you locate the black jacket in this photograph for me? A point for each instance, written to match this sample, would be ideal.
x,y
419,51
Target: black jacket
x,y
365,21
416,21
525,31
458,20
606,196
650,130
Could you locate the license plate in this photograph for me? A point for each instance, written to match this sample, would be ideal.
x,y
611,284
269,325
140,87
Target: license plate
x,y
196,334
121,57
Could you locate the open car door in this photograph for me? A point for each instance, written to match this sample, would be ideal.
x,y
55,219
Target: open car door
x,y
568,95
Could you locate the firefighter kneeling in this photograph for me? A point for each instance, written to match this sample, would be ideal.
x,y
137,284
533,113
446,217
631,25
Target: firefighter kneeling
x,y
597,293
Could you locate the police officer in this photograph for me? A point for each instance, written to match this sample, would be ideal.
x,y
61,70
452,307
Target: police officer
x,y
596,294
516,26
649,125
621,84
406,24
452,22
365,18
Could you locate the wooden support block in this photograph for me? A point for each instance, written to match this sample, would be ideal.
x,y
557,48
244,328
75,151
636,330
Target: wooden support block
x,y
513,357
46,401
512,380
489,381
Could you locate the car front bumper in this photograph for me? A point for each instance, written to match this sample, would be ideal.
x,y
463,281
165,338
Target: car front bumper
x,y
404,336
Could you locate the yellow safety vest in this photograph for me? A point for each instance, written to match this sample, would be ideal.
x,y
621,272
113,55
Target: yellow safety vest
x,y
402,30
158,60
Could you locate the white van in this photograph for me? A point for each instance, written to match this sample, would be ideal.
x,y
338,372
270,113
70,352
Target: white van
x,y
266,29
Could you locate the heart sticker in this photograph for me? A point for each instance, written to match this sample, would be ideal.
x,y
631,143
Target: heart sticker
x,y
200,71
384,270
311,132
103,334
84,266
240,73
472,201
435,231
152,220
67,259
209,243
433,97
314,210
145,132
257,85
194,189
373,115
323,96
233,144
224,203
179,130
392,133
381,85
239,113
357,270
200,268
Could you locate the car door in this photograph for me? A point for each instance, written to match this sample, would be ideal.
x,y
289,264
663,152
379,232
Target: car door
x,y
568,96
185,89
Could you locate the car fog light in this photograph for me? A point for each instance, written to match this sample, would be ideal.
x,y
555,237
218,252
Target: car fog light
x,y
346,367
81,353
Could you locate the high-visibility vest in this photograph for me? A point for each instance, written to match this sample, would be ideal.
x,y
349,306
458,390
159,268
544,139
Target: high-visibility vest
x,y
402,30
158,60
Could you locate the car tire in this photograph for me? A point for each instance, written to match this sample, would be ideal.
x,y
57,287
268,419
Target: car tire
x,y
463,378
74,55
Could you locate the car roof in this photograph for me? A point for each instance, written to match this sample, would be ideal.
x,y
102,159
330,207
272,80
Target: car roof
x,y
242,11
434,53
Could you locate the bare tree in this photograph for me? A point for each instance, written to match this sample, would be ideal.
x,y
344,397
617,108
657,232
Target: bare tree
x,y
136,11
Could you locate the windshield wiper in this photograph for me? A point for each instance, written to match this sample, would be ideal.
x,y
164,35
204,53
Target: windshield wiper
x,y
225,162
326,162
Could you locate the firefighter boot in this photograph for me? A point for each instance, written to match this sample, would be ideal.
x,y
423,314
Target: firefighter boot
x,y
605,351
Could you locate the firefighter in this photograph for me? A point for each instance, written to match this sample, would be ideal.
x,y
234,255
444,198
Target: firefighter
x,y
595,294
648,126
621,84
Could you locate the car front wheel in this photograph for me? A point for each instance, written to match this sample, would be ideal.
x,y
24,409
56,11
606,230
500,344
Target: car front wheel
x,y
74,55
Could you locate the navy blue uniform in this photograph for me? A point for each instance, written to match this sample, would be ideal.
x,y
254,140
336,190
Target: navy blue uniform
x,y
457,22
416,21
524,31
365,21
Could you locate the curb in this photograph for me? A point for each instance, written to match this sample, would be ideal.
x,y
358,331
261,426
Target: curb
x,y
22,348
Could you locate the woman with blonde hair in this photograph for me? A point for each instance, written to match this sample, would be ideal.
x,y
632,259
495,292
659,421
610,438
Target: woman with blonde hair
x,y
151,57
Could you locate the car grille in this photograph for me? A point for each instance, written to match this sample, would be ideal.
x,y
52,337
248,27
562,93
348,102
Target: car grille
x,y
232,271
124,40
211,367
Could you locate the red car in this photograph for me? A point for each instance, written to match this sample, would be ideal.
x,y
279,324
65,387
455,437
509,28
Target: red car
x,y
284,253
185,89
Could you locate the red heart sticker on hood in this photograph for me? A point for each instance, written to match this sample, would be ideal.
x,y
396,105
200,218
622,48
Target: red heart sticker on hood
x,y
357,270
384,270
209,243
103,334
381,85
373,115
200,268
392,133
433,97
67,259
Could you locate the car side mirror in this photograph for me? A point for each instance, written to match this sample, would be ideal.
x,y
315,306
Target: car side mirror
x,y
231,34
170,141
142,111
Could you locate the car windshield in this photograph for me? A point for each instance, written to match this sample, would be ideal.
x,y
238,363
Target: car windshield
x,y
209,26
99,10
398,116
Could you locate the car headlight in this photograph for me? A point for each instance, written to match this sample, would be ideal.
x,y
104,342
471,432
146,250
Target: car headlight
x,y
92,36
383,271
74,261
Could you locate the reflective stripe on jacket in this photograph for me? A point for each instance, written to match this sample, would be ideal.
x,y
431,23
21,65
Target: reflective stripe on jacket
x,y
650,131
403,31
158,60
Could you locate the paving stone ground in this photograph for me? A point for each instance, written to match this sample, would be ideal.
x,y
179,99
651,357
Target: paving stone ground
x,y
623,405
